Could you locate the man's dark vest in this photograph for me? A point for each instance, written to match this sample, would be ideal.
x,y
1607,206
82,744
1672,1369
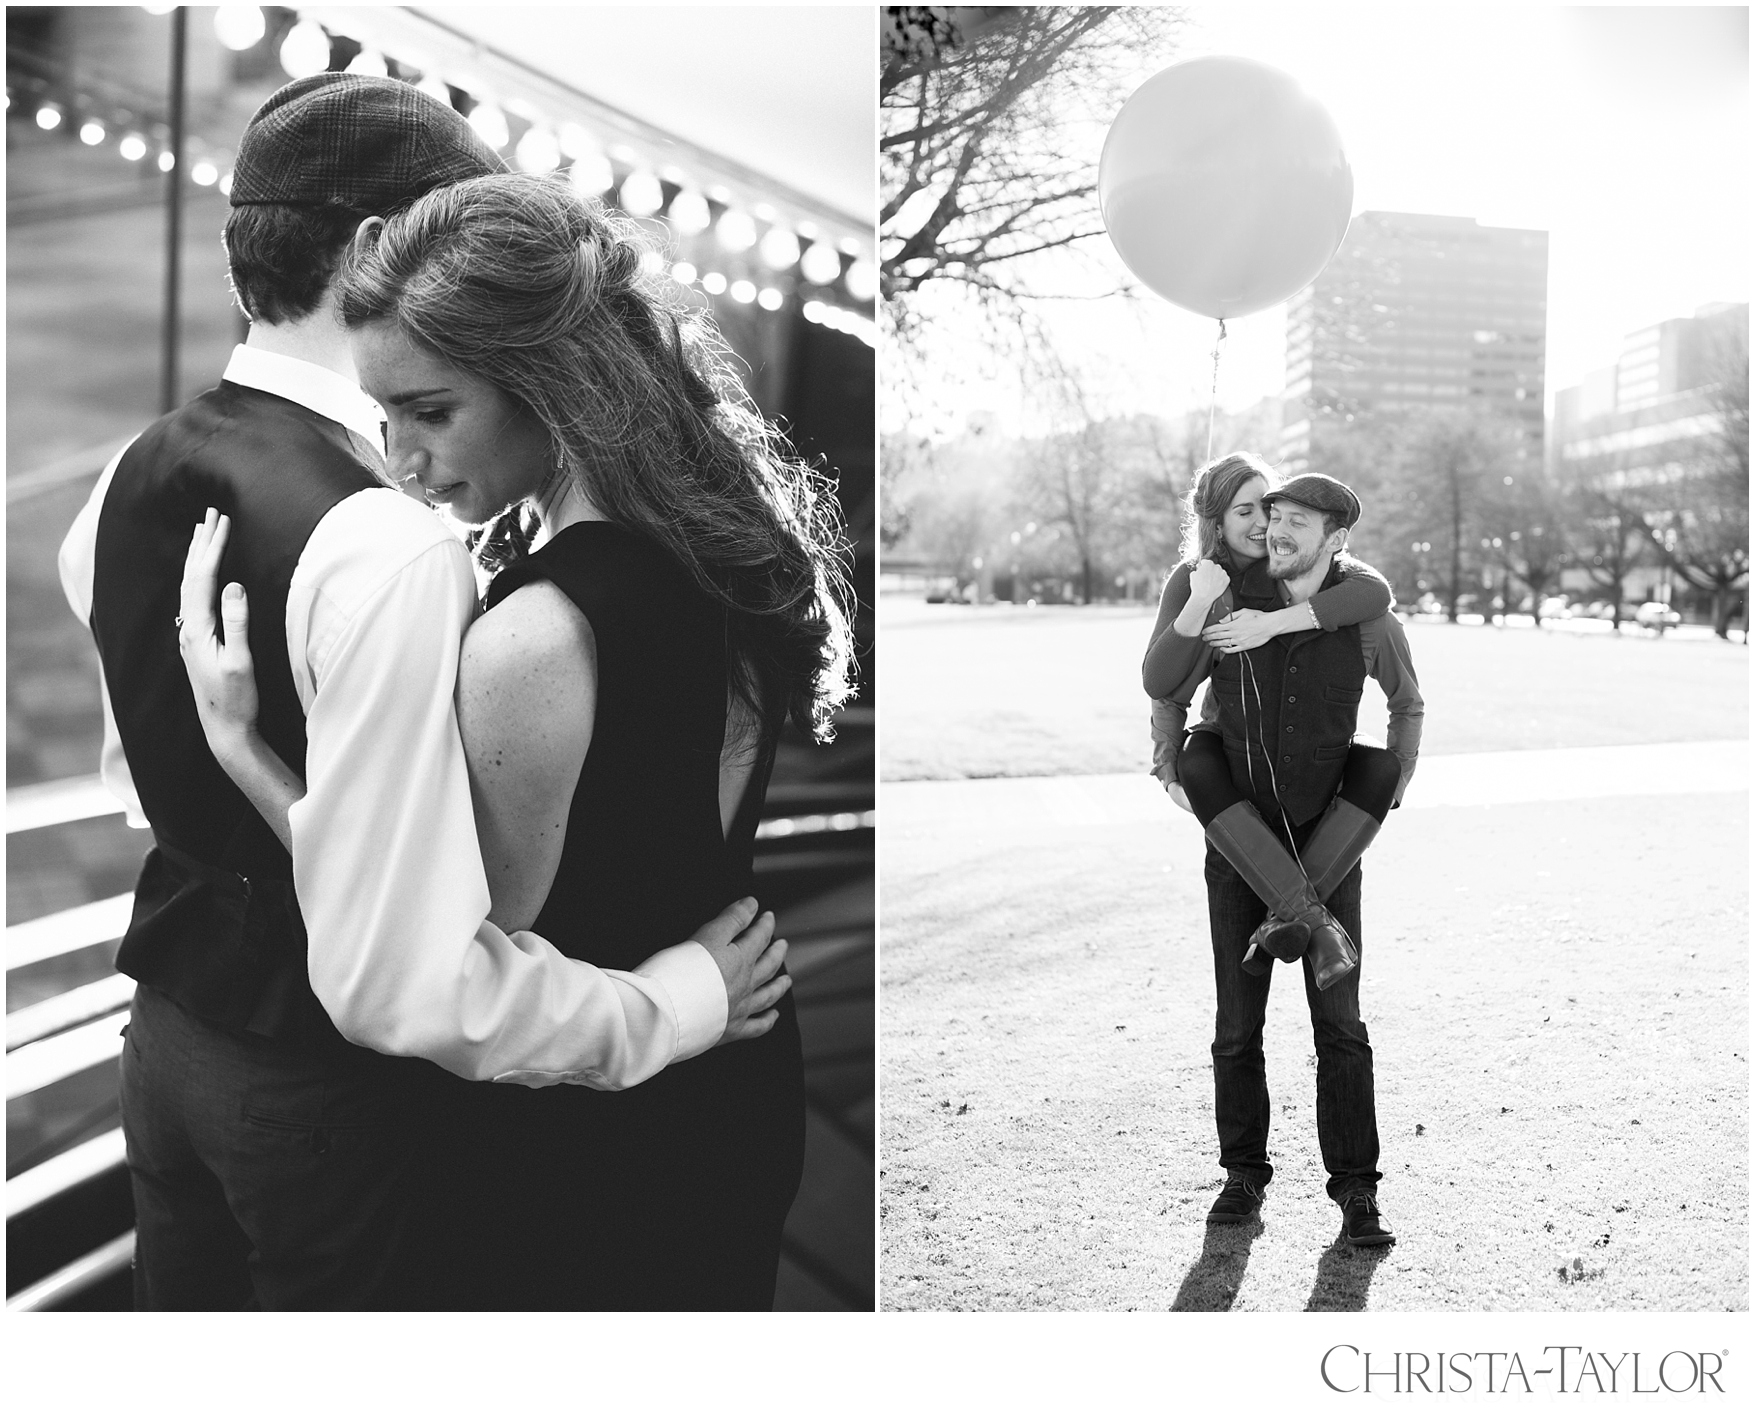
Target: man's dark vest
x,y
216,925
1287,710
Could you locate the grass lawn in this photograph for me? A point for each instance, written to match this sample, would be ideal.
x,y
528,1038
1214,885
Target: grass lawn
x,y
1002,691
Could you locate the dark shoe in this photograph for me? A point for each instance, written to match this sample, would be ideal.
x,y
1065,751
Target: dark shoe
x,y
1285,939
1332,956
1361,1223
1257,962
1238,1200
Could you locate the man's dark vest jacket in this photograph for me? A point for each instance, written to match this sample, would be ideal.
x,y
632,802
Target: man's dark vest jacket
x,y
216,925
1287,710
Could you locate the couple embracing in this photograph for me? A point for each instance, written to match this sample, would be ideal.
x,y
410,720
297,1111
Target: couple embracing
x,y
1268,608
449,989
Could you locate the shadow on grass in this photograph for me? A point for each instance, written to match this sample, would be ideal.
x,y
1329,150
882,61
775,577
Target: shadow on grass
x,y
1343,1277
1212,1283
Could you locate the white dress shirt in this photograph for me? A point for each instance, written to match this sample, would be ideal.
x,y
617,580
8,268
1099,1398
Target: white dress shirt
x,y
385,859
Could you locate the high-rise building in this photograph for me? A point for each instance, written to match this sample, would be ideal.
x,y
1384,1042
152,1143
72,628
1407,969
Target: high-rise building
x,y
1418,312
1650,412
1642,427
1674,356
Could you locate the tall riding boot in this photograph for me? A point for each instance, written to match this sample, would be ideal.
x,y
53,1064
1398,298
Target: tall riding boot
x,y
1337,844
1256,853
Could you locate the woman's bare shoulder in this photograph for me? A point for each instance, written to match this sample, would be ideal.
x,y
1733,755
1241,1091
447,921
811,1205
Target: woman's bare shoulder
x,y
532,653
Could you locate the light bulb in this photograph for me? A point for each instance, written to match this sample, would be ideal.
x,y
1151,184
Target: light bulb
x,y
239,26
779,249
576,142
689,212
735,230
862,280
370,63
820,265
641,194
537,151
305,50
591,174
490,124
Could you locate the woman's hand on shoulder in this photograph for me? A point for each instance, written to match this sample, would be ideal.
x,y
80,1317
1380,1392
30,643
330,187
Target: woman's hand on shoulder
x,y
526,701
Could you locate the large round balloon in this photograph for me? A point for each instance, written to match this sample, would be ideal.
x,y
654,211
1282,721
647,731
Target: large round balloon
x,y
1224,185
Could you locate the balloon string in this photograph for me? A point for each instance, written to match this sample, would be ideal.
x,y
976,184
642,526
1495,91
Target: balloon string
x,y
1212,407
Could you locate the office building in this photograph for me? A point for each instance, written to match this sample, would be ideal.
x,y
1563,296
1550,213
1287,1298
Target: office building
x,y
1638,428
1655,412
1418,312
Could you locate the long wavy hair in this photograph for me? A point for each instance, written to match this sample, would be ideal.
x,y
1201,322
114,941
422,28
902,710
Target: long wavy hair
x,y
1215,486
517,280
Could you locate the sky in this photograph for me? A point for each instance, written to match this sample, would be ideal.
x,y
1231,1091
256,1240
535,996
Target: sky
x,y
1621,131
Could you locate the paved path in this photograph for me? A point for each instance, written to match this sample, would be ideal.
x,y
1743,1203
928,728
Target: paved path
x,y
1482,778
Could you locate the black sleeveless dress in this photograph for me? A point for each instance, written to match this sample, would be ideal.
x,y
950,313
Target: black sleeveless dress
x,y
670,1195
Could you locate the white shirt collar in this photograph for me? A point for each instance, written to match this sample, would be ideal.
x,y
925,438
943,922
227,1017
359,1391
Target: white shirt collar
x,y
309,385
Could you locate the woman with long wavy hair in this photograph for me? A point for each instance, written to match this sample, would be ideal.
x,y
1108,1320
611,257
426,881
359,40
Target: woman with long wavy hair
x,y
667,590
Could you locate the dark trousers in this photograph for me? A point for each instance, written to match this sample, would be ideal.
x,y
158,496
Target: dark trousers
x,y
273,1177
1346,1107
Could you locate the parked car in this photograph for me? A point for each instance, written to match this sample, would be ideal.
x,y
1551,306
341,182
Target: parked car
x,y
1652,614
1556,608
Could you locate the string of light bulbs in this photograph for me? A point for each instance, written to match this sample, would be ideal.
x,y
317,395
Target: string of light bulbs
x,y
746,254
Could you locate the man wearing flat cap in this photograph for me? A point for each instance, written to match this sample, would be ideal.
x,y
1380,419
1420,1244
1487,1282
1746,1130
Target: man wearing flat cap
x,y
1284,842
302,1005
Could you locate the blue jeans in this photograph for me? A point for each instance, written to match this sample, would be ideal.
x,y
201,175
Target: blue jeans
x,y
1346,1110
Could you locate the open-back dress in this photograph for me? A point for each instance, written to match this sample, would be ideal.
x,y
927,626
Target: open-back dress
x,y
670,1195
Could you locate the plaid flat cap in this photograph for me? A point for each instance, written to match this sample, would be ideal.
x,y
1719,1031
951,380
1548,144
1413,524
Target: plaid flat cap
x,y
369,144
1320,492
